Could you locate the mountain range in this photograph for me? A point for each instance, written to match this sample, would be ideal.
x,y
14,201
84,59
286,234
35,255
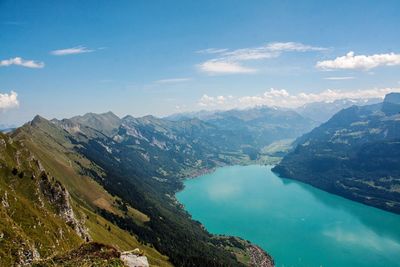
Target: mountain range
x,y
109,180
355,154
98,188
323,111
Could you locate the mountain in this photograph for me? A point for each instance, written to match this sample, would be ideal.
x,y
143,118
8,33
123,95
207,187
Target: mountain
x,y
107,123
323,111
391,104
355,154
49,202
202,114
107,185
32,204
257,127
262,125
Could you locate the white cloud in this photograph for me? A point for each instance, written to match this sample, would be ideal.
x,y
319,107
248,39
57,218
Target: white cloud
x,y
339,78
8,101
282,98
173,80
21,62
292,46
223,67
212,51
363,62
229,61
211,101
71,51
250,54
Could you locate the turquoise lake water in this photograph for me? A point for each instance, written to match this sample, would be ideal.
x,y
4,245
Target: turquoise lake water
x,y
297,224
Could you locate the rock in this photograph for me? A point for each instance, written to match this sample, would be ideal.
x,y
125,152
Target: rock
x,y
58,195
132,259
259,258
4,200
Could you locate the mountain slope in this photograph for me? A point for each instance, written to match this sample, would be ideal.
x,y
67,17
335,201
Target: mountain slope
x,y
122,198
323,111
31,207
107,122
356,154
51,172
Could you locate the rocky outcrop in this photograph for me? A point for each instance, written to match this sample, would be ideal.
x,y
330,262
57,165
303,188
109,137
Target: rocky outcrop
x,y
59,197
259,258
27,254
134,258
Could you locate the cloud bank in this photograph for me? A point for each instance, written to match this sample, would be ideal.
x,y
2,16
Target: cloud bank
x,y
282,98
71,51
363,62
18,61
231,61
8,101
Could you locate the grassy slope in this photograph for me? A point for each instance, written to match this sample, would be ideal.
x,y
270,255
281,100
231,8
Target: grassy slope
x,y
88,254
58,158
26,223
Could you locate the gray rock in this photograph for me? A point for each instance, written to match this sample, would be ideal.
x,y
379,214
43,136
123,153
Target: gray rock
x,y
132,259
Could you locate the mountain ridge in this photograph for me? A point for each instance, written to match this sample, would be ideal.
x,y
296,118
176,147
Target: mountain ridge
x,y
355,154
128,195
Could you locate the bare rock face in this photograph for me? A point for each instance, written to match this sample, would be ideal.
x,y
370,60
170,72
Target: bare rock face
x,y
134,259
58,195
259,258
27,254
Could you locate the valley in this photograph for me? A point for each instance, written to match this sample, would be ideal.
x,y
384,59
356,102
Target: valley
x,y
199,133
120,177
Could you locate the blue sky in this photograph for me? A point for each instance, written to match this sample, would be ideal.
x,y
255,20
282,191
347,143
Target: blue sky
x,y
63,58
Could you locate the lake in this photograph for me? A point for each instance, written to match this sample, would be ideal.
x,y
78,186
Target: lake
x,y
297,224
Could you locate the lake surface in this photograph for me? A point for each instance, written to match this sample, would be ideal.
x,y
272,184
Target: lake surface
x,y
297,224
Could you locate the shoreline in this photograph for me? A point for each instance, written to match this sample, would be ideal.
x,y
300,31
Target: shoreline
x,y
258,256
335,193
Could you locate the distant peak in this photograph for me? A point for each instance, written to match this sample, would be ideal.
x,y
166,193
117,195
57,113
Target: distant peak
x,y
128,117
105,114
110,114
393,98
148,117
391,104
38,119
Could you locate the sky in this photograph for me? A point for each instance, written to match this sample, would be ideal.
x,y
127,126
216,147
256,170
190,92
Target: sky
x,y
64,58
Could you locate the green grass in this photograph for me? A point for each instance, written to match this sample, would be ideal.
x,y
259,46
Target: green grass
x,y
26,224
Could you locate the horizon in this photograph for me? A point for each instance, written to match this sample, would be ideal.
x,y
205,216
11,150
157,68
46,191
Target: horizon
x,y
160,58
6,126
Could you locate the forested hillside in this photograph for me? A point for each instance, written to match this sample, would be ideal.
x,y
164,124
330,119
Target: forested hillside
x,y
355,154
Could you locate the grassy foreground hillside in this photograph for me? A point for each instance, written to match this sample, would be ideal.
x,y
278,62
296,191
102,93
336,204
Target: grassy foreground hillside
x,y
39,216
